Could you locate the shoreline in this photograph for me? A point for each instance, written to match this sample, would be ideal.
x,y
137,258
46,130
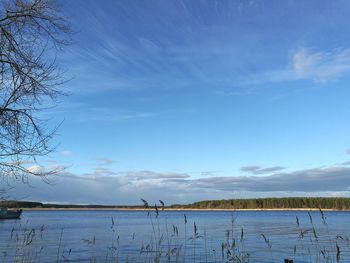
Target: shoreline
x,y
177,209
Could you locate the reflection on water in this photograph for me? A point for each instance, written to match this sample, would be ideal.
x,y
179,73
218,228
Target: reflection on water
x,y
205,236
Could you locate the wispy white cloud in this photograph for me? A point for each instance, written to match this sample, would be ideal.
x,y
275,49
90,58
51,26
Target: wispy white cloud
x,y
66,153
100,172
320,66
105,161
105,114
303,64
238,91
86,113
256,169
208,173
118,116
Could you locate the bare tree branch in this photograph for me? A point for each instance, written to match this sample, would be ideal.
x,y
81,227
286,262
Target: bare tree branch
x,y
31,34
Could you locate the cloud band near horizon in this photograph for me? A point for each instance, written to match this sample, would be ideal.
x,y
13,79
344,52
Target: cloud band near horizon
x,y
103,186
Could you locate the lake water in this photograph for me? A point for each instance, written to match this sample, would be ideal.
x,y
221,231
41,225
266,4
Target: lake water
x,y
135,236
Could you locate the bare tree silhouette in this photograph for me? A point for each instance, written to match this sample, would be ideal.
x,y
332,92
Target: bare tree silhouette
x,y
32,32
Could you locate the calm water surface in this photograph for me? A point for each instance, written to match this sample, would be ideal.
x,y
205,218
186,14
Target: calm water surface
x,y
135,236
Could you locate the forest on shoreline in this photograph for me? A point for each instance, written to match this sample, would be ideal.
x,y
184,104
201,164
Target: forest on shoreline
x,y
336,203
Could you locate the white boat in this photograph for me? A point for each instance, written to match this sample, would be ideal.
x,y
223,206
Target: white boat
x,y
10,213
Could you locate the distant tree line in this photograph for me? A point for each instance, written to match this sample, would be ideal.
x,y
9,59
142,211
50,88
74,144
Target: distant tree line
x,y
338,203
273,203
20,204
27,204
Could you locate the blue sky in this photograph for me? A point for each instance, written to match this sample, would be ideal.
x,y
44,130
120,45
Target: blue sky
x,y
189,100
